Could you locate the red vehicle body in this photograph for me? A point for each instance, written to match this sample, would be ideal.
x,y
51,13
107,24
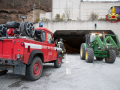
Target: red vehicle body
x,y
26,55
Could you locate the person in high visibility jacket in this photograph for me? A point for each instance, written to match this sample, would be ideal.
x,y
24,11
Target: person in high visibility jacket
x,y
60,45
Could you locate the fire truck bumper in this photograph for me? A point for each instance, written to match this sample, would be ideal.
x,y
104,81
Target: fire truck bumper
x,y
18,66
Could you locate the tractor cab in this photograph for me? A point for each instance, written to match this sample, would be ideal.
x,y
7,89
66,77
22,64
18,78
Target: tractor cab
x,y
90,37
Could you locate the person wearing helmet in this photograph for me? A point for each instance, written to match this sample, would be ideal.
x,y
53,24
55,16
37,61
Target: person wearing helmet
x,y
60,45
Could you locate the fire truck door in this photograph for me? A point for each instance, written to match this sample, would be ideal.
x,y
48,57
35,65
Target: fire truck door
x,y
51,50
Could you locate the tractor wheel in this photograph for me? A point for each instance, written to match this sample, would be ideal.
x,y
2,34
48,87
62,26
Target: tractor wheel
x,y
112,57
99,58
58,62
89,55
34,70
3,72
82,51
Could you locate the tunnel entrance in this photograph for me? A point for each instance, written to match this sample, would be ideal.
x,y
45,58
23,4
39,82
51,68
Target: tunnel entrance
x,y
72,39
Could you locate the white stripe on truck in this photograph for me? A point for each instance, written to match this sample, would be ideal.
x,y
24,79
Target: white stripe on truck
x,y
37,46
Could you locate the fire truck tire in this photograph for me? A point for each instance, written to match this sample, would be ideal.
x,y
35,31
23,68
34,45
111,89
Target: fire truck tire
x,y
58,62
22,29
89,55
99,58
82,51
27,29
34,70
111,58
3,29
3,72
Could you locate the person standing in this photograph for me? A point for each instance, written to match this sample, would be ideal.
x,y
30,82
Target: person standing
x,y
61,45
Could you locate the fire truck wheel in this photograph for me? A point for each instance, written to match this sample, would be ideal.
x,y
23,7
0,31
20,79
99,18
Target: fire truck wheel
x,y
58,62
27,29
112,56
3,72
22,29
82,51
34,70
3,29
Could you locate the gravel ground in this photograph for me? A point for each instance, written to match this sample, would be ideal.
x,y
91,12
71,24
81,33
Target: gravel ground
x,y
74,74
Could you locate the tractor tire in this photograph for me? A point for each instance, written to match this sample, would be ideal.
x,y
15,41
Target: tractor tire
x,y
3,72
89,57
99,58
111,58
34,70
82,52
58,62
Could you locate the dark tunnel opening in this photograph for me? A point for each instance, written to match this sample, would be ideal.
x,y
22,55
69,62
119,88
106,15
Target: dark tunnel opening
x,y
72,39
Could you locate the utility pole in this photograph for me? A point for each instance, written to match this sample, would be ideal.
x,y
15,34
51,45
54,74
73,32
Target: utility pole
x,y
59,7
39,2
13,4
52,11
80,10
5,3
33,11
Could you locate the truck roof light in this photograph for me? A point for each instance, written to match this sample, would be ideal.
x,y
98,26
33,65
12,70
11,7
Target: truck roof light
x,y
40,24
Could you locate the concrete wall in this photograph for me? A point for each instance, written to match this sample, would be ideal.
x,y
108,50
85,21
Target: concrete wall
x,y
82,25
82,10
45,15
100,8
60,6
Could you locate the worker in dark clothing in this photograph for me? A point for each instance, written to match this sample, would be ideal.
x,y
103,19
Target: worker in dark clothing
x,y
60,45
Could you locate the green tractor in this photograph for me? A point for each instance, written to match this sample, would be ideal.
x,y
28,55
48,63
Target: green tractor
x,y
101,46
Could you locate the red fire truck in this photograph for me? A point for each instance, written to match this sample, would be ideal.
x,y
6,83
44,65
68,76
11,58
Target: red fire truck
x,y
27,53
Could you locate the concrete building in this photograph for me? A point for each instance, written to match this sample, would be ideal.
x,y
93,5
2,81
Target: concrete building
x,y
80,10
100,8
45,15
73,32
